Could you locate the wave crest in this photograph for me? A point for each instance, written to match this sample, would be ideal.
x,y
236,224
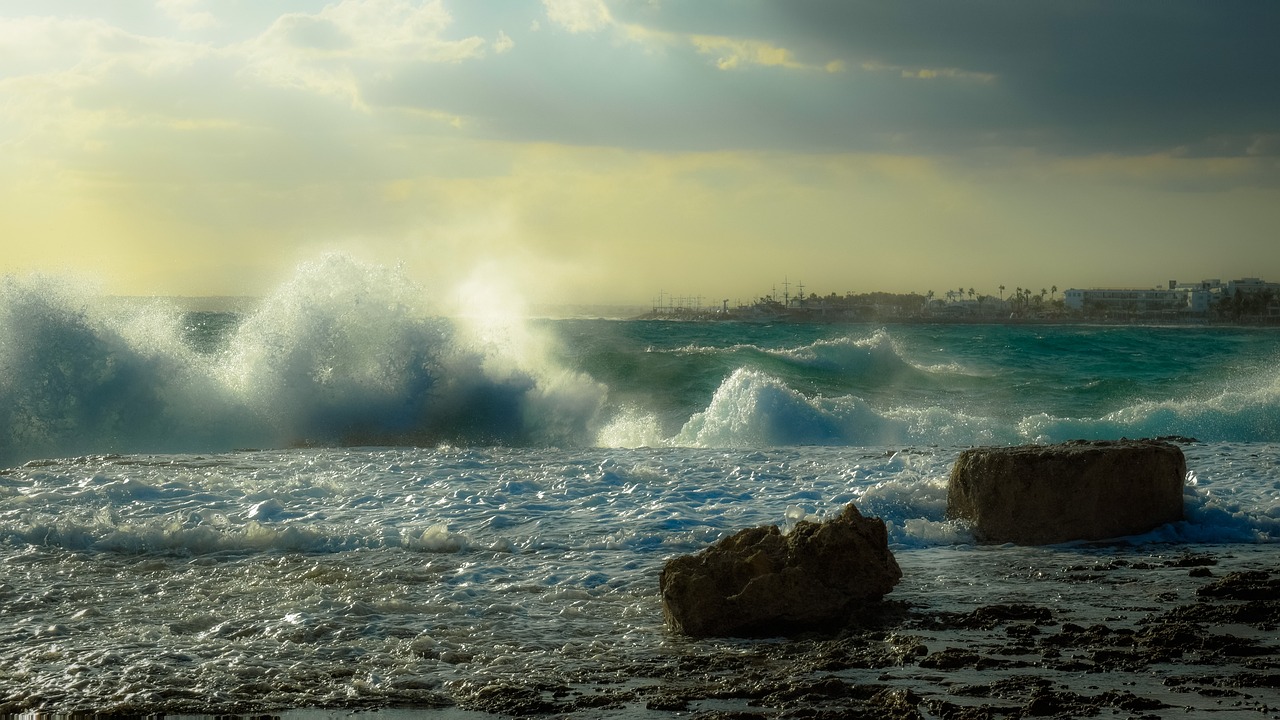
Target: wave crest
x,y
341,354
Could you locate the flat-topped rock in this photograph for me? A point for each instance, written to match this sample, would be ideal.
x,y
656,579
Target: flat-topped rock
x,y
1080,490
761,582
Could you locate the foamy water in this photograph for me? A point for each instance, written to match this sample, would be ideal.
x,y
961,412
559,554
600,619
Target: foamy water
x,y
306,578
434,504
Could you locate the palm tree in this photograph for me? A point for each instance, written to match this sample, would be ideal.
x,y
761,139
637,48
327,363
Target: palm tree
x,y
1001,293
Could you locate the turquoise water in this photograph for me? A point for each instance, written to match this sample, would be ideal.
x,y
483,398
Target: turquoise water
x,y
862,385
341,499
341,356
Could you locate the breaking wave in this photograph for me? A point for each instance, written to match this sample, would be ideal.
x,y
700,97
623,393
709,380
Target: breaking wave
x,y
346,354
341,354
753,409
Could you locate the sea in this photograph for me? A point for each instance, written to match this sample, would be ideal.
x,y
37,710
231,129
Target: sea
x,y
334,497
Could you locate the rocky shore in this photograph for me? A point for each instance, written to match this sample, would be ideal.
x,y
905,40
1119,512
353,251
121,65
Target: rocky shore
x,y
1101,631
1039,627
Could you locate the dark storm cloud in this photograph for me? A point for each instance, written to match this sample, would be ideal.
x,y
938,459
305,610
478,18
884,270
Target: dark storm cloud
x,y
1186,76
1125,77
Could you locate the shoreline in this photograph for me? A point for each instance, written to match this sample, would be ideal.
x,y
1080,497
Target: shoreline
x,y
1260,323
1151,632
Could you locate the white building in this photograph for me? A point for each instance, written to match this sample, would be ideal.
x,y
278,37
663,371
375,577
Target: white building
x,y
1259,296
1201,295
1251,285
1126,301
1198,298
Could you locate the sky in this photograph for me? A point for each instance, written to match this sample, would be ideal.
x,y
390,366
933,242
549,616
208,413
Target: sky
x,y
606,151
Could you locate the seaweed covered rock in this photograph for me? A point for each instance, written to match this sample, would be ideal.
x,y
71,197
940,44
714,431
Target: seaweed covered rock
x,y
1080,490
762,582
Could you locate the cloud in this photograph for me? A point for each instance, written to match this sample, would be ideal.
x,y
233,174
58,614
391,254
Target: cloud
x,y
187,14
45,46
923,78
76,76
371,30
334,51
503,43
733,53
1060,77
947,73
579,16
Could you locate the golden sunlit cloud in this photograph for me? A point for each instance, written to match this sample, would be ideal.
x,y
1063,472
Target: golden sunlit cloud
x,y
503,43
188,15
579,16
609,155
919,73
733,53
948,73
313,51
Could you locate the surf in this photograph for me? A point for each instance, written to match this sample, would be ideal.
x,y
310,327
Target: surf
x,y
345,354
342,354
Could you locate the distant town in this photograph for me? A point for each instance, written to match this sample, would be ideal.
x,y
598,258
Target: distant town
x,y
1243,301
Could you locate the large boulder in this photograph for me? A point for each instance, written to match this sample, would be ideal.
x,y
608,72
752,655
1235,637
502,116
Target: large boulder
x,y
1080,490
760,582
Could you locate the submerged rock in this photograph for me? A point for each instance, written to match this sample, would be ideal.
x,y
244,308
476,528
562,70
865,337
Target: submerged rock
x,y
762,582
1082,490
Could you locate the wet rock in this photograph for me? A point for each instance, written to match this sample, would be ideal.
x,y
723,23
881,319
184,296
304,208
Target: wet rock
x,y
895,704
506,699
802,693
668,702
986,617
1082,490
1192,560
952,711
1050,702
1251,585
1022,631
1211,608
1125,700
762,582
1012,687
950,659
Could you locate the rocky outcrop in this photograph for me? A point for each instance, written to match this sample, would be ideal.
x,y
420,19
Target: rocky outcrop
x,y
1082,490
762,582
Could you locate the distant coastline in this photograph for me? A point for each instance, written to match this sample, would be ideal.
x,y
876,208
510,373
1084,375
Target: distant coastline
x,y
918,319
1242,302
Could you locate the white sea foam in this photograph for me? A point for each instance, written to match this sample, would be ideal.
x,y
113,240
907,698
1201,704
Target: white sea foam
x,y
1251,412
632,428
503,545
343,573
343,353
441,501
754,409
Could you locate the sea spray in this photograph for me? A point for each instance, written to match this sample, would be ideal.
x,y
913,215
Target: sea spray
x,y
346,353
335,354
377,576
342,354
494,551
957,385
78,375
752,409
